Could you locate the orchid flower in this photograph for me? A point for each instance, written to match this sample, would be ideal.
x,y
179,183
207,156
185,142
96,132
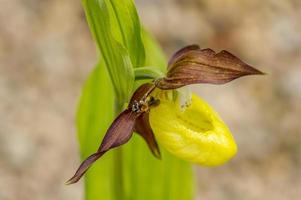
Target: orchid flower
x,y
190,129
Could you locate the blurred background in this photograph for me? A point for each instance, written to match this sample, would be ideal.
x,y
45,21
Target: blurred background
x,y
46,53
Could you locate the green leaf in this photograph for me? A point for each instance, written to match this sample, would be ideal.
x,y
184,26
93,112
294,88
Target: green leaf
x,y
115,55
146,177
154,57
126,27
93,119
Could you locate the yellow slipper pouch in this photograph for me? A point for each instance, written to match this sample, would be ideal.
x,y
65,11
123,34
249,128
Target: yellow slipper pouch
x,y
195,134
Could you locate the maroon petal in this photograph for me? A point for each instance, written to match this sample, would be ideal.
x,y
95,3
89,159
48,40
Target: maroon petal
x,y
143,128
84,167
192,66
181,52
119,133
141,93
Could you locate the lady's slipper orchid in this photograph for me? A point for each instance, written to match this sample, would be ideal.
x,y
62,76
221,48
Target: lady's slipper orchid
x,y
193,131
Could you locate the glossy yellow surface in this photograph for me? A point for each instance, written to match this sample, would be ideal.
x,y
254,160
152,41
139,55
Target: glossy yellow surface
x,y
195,134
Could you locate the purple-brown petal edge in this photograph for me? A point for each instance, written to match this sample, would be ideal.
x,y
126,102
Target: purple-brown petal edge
x,y
118,134
143,128
181,52
141,93
191,66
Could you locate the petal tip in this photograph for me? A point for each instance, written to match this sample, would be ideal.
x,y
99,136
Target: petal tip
x,y
72,180
158,155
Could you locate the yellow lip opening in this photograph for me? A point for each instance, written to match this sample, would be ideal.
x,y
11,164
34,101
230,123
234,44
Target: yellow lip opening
x,y
196,134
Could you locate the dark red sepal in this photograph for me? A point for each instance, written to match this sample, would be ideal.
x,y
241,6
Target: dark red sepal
x,y
143,128
192,65
118,134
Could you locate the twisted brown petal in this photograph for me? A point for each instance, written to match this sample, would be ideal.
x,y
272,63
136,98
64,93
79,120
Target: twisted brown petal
x,y
142,92
182,52
143,128
119,133
191,66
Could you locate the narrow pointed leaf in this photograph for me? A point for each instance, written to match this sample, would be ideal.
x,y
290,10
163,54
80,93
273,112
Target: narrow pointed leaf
x,y
192,66
114,53
127,23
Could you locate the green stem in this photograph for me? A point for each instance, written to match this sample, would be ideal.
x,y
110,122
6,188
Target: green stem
x,y
142,73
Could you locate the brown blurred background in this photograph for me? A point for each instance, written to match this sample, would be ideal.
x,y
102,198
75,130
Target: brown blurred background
x,y
46,53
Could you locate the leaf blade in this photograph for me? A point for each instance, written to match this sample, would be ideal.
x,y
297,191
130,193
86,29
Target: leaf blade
x,y
130,29
115,55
